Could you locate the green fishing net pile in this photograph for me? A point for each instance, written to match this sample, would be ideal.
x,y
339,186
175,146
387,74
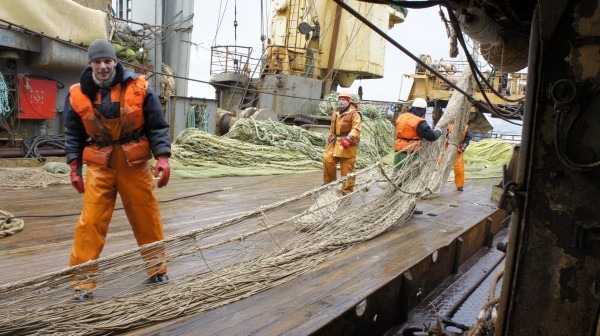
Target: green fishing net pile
x,y
486,158
264,147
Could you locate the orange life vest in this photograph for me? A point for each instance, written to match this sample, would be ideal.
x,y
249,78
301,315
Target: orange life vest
x,y
407,138
129,137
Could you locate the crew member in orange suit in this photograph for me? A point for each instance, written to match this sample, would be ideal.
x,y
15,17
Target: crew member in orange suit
x,y
411,127
342,144
115,124
459,161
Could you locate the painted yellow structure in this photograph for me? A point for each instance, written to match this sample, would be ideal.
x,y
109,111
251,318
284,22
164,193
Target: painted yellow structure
x,y
437,92
315,38
432,88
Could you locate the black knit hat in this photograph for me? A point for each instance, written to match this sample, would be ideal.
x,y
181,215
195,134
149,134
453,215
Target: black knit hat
x,y
101,49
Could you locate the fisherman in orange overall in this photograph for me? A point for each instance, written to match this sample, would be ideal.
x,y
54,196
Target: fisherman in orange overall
x,y
411,127
115,124
342,143
459,161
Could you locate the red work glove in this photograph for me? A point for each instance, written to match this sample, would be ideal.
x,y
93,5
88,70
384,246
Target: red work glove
x,y
346,142
461,149
76,178
162,165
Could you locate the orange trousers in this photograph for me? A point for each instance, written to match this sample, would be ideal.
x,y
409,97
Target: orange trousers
x,y
135,186
346,167
459,170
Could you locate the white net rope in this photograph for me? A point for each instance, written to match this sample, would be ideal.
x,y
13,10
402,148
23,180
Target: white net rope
x,y
232,259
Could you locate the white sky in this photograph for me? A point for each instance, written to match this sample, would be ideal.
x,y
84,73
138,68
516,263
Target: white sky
x,y
421,33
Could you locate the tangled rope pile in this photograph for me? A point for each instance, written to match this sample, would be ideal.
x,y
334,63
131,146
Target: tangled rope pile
x,y
229,260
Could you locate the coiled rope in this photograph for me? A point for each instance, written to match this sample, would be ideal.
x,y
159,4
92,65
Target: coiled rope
x,y
31,146
479,26
9,225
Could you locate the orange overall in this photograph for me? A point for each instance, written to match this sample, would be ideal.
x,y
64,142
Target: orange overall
x,y
342,125
135,185
459,161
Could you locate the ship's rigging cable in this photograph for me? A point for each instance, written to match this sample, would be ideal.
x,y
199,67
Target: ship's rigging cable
x,y
220,21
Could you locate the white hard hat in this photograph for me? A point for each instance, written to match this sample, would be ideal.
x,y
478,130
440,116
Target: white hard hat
x,y
347,95
419,102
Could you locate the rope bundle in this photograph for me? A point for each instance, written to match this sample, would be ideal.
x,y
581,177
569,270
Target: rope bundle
x,y
479,26
9,225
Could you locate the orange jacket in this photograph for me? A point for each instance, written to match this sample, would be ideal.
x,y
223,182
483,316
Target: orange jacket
x,y
342,125
407,138
134,144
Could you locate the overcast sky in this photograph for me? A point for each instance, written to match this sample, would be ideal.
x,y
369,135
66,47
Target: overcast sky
x,y
422,33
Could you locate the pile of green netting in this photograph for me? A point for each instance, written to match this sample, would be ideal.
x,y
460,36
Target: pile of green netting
x,y
264,147
487,157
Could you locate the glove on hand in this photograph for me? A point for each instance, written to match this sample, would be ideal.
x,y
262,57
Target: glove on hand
x,y
162,165
346,142
76,178
461,149
438,131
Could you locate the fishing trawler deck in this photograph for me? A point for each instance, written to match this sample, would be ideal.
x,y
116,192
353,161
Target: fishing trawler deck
x,y
364,290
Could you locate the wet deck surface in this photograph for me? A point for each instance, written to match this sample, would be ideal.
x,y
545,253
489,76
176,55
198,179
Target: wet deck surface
x,y
301,306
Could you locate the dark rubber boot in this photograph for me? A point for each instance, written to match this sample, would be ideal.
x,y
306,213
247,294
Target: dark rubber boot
x,y
159,278
82,295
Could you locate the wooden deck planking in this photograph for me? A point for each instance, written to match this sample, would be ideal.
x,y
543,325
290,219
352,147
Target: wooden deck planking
x,y
300,306
305,304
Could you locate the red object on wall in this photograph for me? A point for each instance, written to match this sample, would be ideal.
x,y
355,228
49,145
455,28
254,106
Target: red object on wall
x,y
37,98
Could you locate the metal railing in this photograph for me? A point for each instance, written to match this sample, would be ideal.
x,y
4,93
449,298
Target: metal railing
x,y
512,138
224,59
